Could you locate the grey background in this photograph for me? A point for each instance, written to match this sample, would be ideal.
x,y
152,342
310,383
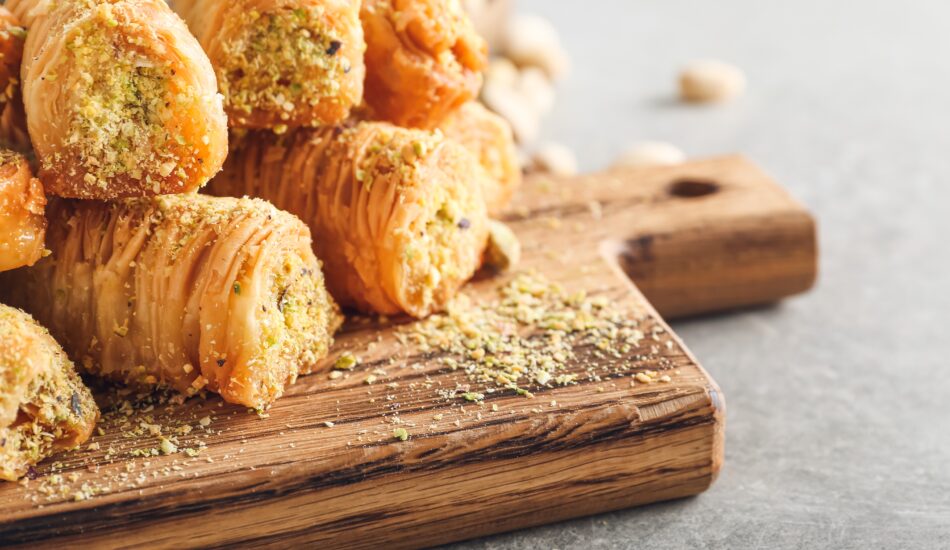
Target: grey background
x,y
838,432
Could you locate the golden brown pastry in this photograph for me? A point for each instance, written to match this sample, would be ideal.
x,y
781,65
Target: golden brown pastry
x,y
282,63
183,291
488,137
423,60
12,36
12,118
13,132
397,214
120,99
44,406
22,223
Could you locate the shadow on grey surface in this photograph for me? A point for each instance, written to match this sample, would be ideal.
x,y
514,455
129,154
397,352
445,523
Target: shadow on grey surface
x,y
772,308
581,532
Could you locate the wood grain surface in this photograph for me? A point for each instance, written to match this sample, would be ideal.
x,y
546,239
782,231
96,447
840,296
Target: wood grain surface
x,y
705,236
323,466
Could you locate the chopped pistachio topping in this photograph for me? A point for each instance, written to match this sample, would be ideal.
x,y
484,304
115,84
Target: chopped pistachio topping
x,y
51,404
346,361
525,337
282,60
13,30
120,105
8,156
402,153
401,434
167,447
152,436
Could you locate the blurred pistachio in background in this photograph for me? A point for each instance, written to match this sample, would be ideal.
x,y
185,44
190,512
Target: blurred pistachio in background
x,y
527,59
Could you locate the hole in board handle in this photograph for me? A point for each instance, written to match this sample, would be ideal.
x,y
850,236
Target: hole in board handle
x,y
692,188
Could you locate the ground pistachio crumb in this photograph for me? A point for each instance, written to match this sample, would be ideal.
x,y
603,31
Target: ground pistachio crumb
x,y
401,434
526,336
167,447
346,361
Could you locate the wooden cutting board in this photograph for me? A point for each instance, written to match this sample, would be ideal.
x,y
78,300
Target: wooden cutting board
x,y
324,466
702,237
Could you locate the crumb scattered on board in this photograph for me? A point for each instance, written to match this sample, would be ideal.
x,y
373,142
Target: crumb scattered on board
x,y
134,430
517,342
527,336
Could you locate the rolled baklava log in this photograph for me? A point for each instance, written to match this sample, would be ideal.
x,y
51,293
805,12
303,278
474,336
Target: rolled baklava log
x,y
120,99
44,406
423,60
282,63
397,214
488,137
13,133
183,291
22,203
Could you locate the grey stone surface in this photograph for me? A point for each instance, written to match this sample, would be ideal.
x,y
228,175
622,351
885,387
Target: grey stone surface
x,y
838,432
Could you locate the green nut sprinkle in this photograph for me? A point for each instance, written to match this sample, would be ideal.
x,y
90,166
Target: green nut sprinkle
x,y
346,361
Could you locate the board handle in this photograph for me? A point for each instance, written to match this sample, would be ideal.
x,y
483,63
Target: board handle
x,y
740,241
704,236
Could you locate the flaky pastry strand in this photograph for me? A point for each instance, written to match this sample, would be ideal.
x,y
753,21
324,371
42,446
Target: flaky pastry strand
x,y
397,214
488,137
184,291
